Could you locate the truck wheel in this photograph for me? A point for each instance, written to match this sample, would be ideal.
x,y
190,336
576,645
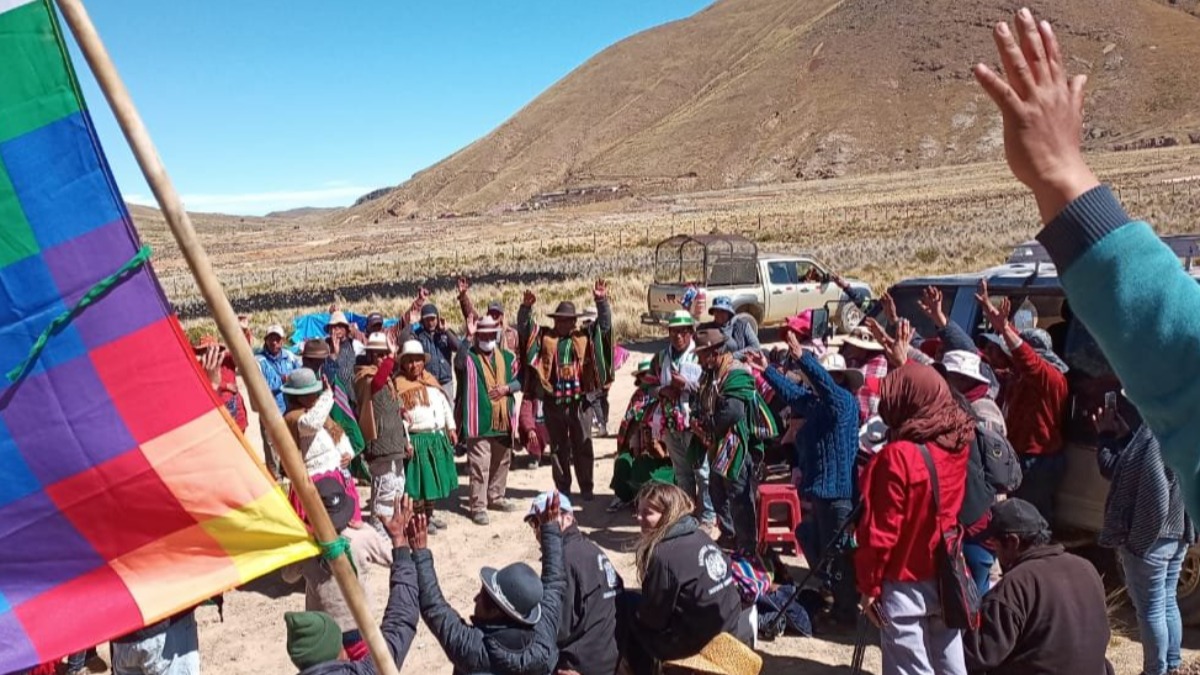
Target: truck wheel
x,y
1188,592
849,316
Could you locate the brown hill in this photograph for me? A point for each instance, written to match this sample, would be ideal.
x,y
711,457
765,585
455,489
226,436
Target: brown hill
x,y
752,91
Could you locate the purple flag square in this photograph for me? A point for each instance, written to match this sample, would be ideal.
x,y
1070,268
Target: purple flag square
x,y
52,551
135,302
14,646
64,422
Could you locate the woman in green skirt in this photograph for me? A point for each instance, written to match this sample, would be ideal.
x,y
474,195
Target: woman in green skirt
x,y
641,456
430,475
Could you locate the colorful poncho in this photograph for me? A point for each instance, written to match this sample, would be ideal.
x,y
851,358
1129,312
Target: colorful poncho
x,y
568,368
731,380
478,414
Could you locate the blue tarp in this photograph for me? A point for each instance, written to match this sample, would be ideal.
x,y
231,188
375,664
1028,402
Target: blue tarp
x,y
312,326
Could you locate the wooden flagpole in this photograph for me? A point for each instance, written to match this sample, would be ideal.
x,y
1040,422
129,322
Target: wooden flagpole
x,y
218,303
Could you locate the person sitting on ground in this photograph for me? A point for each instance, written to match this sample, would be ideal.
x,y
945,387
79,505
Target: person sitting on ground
x,y
587,634
1145,521
514,629
564,363
912,494
1035,399
322,442
1116,272
321,591
641,457
429,473
314,639
726,422
824,452
688,596
740,331
1047,615
488,381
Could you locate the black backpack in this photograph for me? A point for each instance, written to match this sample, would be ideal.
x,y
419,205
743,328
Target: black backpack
x,y
1000,462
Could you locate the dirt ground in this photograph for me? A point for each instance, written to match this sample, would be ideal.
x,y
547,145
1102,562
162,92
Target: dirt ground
x,y
251,638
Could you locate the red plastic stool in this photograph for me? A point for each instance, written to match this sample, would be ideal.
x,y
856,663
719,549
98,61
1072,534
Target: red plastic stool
x,y
772,494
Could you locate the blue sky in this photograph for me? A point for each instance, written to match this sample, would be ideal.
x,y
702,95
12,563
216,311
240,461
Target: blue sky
x,y
257,106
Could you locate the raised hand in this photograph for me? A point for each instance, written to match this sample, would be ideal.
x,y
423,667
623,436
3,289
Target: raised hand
x,y
529,299
463,285
397,525
472,324
418,532
423,294
889,308
211,361
997,317
793,343
1042,109
552,511
756,360
931,305
600,292
895,349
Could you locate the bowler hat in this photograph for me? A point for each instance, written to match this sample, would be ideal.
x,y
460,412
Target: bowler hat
x,y
301,382
315,349
487,326
709,338
516,590
565,310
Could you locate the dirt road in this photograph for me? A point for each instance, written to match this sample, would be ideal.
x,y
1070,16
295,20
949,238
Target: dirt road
x,y
251,639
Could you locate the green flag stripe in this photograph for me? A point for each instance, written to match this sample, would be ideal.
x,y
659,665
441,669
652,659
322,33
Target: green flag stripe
x,y
37,87
16,237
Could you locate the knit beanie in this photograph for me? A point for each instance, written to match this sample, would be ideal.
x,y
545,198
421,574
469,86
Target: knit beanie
x,y
312,638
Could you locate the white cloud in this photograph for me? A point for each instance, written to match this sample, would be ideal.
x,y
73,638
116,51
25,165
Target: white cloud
x,y
333,193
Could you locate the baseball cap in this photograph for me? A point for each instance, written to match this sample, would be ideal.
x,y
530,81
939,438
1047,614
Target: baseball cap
x,y
1015,516
275,329
543,500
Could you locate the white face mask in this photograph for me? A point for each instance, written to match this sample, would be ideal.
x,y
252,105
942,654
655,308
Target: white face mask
x,y
487,346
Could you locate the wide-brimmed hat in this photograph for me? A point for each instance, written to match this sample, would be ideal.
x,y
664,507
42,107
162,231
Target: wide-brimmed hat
x,y
412,348
723,655
1014,516
428,309
337,502
862,338
709,338
337,319
487,326
275,329
681,318
302,382
1043,344
835,364
565,310
315,348
516,590
965,363
378,342
722,303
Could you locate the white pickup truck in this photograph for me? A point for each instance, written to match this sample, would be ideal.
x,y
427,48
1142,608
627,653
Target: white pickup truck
x,y
693,270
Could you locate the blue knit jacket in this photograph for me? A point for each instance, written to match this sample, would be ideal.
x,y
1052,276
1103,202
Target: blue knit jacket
x,y
1133,295
828,442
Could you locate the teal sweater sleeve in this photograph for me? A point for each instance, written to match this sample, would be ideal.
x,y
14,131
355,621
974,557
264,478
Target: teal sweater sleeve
x,y
1143,308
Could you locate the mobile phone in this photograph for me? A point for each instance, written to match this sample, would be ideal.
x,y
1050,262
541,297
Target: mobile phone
x,y
1110,402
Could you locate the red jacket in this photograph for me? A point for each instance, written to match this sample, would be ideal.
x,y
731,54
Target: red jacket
x,y
896,534
1035,404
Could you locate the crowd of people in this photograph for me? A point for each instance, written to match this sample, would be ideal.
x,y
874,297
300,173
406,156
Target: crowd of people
x,y
929,463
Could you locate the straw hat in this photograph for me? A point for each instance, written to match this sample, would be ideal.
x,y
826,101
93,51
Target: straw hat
x,y
836,364
338,318
412,348
487,326
862,338
723,655
378,342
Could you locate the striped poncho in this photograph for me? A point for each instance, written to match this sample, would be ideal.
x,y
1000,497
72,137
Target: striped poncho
x,y
478,414
731,380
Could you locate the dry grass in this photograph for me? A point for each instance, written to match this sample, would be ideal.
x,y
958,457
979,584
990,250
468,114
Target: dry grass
x,y
879,228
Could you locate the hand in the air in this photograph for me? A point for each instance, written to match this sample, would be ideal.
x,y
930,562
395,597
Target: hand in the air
x,y
1042,109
